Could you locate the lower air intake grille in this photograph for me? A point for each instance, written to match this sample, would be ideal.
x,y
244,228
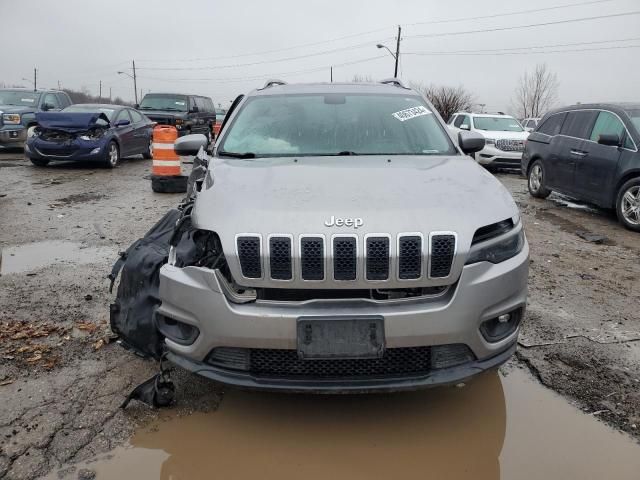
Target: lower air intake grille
x,y
377,258
344,258
409,257
249,256
280,258
442,250
312,258
395,362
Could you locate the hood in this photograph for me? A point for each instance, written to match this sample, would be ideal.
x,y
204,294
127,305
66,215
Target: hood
x,y
503,135
69,121
16,109
406,194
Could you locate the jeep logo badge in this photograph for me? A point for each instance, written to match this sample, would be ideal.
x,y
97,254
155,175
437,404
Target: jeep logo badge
x,y
344,222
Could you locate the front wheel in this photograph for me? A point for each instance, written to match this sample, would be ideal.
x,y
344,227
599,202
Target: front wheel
x,y
536,181
628,204
148,153
113,155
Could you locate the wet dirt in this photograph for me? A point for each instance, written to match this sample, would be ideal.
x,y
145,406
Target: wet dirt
x,y
498,426
33,256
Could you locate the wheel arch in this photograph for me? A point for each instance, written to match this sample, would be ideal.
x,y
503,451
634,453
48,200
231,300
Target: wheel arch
x,y
635,173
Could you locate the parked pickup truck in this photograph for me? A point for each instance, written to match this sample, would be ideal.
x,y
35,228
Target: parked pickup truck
x,y
18,107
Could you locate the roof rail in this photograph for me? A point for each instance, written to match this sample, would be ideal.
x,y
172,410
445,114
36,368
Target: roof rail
x,y
394,81
272,82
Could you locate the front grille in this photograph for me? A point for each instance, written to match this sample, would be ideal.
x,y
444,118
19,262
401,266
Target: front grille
x,y
345,260
510,145
249,256
409,257
280,258
162,120
394,362
377,258
56,152
312,258
442,252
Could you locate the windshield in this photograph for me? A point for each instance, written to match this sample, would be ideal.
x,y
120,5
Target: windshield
x,y
152,101
91,108
634,114
335,124
497,124
19,98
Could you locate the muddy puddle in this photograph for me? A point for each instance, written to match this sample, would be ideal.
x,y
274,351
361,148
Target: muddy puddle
x,y
497,426
33,256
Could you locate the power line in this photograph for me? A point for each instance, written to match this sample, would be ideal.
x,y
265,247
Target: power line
x,y
516,27
488,50
480,53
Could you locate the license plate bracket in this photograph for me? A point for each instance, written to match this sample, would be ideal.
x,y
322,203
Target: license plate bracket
x,y
344,337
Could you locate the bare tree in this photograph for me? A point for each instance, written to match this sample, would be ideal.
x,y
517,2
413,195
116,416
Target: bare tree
x,y
358,78
447,100
536,92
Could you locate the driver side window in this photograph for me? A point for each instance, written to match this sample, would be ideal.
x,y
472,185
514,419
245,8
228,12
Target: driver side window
x,y
51,101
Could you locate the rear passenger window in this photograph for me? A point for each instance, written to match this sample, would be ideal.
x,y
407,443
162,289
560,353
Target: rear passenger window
x,y
209,104
607,124
200,103
553,124
578,123
136,116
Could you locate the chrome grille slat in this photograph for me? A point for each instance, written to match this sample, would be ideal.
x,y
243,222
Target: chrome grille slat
x,y
409,257
345,260
507,145
443,247
377,258
312,257
249,249
280,259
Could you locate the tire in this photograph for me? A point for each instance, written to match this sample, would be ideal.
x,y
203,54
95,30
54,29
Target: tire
x,y
148,153
170,184
628,204
39,162
112,155
535,181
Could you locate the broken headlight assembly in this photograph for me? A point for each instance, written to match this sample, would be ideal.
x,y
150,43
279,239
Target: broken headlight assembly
x,y
93,134
498,249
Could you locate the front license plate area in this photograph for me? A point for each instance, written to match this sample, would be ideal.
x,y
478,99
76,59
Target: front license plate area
x,y
340,337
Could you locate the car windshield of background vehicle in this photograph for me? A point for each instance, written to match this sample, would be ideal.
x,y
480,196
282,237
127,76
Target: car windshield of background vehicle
x,y
82,108
19,98
177,103
634,114
336,124
497,124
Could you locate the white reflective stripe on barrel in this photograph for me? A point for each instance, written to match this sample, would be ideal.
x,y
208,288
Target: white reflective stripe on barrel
x,y
166,163
163,146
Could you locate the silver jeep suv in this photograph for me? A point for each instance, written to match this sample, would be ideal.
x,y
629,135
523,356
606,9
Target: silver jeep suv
x,y
348,244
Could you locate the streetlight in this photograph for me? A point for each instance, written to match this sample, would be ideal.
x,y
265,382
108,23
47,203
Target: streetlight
x,y
133,77
396,55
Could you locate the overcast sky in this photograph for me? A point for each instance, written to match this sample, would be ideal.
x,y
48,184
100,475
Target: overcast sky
x,y
207,44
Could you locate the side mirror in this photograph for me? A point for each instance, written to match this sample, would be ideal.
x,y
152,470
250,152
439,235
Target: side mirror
x,y
190,145
464,126
122,123
46,107
193,110
470,142
610,139
136,106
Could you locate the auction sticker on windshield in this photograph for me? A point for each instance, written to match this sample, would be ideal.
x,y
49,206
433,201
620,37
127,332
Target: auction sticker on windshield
x,y
409,113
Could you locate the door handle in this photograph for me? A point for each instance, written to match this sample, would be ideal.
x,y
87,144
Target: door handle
x,y
578,153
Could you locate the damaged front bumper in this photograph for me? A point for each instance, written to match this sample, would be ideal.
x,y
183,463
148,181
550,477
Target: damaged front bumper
x,y
195,297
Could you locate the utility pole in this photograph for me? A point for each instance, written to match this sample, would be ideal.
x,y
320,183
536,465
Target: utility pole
x,y
35,79
109,94
135,85
397,52
331,74
100,91
59,85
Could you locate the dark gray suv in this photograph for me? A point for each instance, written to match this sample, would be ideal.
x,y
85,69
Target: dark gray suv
x,y
589,152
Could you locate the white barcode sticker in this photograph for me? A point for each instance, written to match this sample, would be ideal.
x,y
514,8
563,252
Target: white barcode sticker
x,y
413,112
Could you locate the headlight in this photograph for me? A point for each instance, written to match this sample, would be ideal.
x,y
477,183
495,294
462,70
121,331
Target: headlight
x,y
498,250
490,141
11,118
179,121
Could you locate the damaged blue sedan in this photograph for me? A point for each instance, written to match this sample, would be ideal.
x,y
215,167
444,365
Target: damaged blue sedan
x,y
90,132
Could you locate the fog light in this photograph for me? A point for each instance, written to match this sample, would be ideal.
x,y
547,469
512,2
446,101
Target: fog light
x,y
179,332
229,357
94,151
443,356
497,328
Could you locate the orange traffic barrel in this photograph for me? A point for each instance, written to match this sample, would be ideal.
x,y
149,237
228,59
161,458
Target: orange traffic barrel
x,y
166,173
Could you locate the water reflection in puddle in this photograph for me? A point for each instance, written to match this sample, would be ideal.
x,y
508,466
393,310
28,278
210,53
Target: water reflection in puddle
x,y
496,427
32,256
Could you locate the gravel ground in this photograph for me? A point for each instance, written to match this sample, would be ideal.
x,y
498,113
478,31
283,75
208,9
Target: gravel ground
x,y
62,378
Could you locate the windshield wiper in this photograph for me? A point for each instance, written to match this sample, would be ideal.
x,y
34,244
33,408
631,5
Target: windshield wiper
x,y
237,154
345,153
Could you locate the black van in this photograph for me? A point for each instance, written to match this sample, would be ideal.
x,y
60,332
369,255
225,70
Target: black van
x,y
589,152
188,113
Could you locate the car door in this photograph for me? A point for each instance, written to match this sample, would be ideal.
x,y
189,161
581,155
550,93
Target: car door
x,y
595,171
570,148
140,131
125,133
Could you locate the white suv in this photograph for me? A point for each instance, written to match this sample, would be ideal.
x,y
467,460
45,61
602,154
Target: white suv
x,y
504,137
